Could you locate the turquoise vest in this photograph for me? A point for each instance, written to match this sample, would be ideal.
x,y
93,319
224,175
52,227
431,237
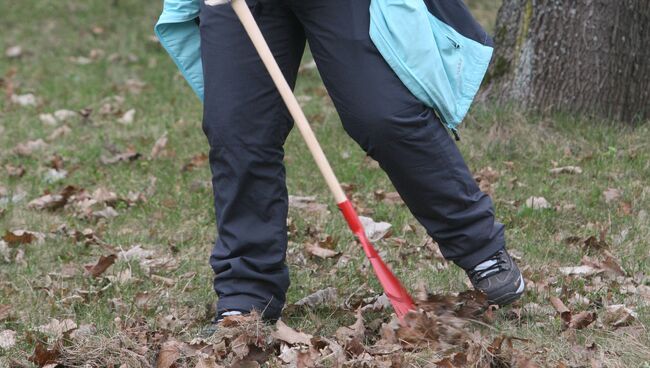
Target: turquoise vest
x,y
435,47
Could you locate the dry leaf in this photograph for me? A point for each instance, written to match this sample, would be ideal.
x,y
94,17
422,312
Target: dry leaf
x,y
169,353
374,230
355,331
5,312
289,335
583,270
388,197
59,132
619,315
24,100
136,253
537,203
612,194
326,296
582,320
134,85
95,270
18,237
318,251
15,171
127,118
47,119
7,339
570,320
13,52
566,170
206,361
485,178
64,115
381,303
127,156
58,328
82,331
158,147
43,355
196,161
106,213
142,299
562,310
27,148
53,175
307,203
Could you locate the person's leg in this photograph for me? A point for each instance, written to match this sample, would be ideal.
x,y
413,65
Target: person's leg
x,y
246,124
397,130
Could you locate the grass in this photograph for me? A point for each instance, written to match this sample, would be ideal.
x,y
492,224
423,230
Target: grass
x,y
177,220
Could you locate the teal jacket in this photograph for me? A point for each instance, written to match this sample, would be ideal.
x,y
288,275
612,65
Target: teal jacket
x,y
435,47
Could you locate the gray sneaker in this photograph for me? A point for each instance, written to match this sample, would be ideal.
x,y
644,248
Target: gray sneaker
x,y
212,328
499,278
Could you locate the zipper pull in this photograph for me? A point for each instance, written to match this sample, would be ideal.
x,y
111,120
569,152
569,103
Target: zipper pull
x,y
456,134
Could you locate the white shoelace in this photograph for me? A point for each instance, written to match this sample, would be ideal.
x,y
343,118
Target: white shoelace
x,y
484,266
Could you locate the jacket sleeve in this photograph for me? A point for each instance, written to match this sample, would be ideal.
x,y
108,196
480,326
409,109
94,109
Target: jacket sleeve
x,y
178,32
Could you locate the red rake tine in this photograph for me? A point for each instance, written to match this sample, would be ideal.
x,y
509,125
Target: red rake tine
x,y
395,291
397,294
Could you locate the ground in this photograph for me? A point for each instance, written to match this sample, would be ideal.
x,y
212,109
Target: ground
x,y
100,58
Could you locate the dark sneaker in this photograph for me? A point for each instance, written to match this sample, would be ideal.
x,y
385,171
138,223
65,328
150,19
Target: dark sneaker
x,y
499,278
210,329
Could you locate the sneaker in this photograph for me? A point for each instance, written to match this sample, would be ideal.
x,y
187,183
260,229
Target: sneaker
x,y
499,278
210,329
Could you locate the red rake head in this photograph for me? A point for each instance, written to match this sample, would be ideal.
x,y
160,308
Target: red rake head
x,y
396,293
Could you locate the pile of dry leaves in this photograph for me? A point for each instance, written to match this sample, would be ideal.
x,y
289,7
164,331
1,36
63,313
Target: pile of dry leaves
x,y
437,335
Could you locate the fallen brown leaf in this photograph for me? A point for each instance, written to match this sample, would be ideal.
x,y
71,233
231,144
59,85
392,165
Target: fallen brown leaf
x,y
612,194
169,353
582,320
104,262
7,339
196,161
44,355
485,178
322,297
127,156
5,312
308,204
355,331
619,315
18,237
58,328
158,147
537,203
27,148
53,202
206,361
375,230
320,252
566,170
289,335
15,171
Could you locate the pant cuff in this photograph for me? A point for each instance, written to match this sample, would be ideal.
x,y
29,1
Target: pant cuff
x,y
469,261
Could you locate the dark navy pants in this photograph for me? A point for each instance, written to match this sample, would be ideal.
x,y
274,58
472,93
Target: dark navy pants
x,y
246,124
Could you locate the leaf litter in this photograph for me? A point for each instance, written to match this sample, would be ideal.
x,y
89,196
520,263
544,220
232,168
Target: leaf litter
x,y
441,324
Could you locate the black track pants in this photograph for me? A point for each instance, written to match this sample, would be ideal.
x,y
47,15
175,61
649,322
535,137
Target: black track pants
x,y
246,124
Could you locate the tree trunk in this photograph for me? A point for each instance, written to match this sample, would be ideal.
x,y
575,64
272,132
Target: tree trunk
x,y
583,56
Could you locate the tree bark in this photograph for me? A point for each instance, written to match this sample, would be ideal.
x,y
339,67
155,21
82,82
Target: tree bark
x,y
582,56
